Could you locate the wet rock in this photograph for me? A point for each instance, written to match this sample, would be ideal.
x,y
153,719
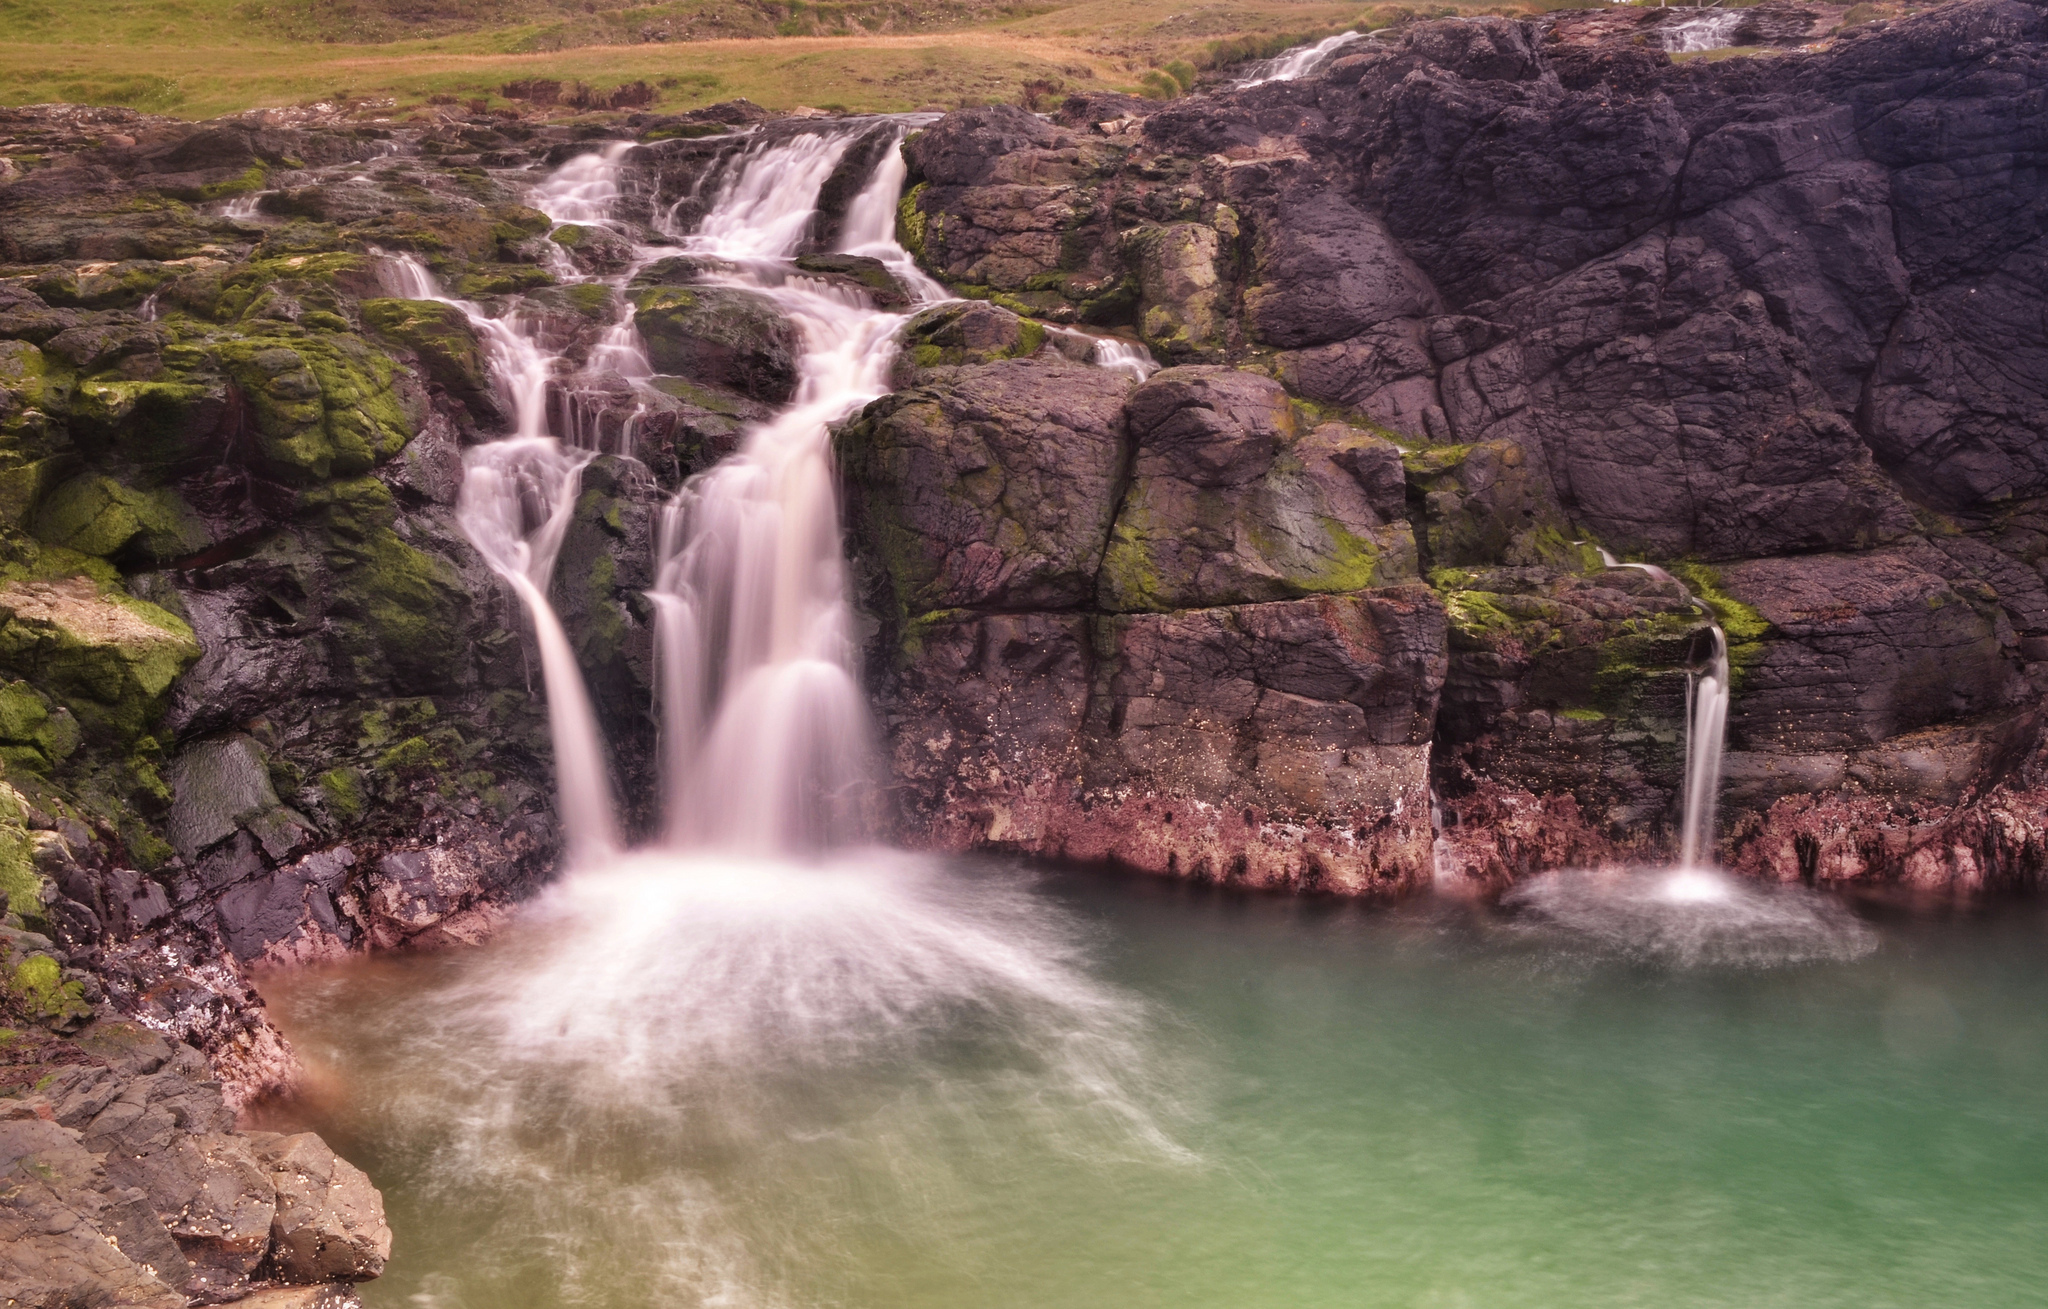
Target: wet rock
x,y
1125,739
1920,653
1325,271
329,1223
1235,499
222,786
720,335
995,486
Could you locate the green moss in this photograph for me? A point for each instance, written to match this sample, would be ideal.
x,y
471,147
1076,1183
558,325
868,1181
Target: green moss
x,y
591,299
910,644
106,656
38,733
37,986
99,516
323,405
568,236
1129,577
439,334
1745,628
503,279
1354,562
252,178
1477,614
910,221
1582,715
18,875
342,788
404,607
414,754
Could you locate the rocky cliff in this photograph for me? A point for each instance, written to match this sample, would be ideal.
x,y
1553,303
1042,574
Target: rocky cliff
x,y
1471,300
1315,601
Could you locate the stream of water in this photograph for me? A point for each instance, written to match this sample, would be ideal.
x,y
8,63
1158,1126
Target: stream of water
x,y
762,1062
924,1086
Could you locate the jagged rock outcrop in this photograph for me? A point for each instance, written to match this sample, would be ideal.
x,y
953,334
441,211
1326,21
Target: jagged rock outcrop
x,y
1768,318
126,1183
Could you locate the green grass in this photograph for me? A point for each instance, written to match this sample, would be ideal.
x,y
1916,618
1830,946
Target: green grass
x,y
197,58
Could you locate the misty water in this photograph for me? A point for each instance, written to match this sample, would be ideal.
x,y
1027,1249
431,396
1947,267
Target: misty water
x,y
892,1082
760,1063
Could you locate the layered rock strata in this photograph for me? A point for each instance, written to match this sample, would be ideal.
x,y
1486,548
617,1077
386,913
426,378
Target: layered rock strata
x,y
1764,321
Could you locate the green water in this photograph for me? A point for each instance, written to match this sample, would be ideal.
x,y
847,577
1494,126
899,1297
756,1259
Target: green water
x,y
1182,1097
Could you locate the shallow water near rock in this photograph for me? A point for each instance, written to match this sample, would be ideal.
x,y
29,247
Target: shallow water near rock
x,y
898,1082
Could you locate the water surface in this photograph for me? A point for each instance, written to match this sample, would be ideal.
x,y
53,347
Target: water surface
x,y
896,1083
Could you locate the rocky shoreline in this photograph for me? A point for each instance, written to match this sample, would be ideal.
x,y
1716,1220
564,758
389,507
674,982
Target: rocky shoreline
x,y
1318,605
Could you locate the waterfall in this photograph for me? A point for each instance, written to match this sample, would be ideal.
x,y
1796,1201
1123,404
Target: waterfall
x,y
517,496
516,500
1706,724
766,740
1706,727
1298,62
1714,31
1120,356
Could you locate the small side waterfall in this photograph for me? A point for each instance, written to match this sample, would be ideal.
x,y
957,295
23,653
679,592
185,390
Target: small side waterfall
x,y
1298,62
1712,31
1706,727
516,500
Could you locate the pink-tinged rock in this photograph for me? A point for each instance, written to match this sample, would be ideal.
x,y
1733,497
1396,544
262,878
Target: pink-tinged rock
x,y
329,1225
1280,744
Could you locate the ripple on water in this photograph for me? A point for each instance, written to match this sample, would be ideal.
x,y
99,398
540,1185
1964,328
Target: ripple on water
x,y
1690,918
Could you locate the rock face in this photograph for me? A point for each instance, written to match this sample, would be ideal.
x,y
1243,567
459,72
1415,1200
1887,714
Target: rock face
x,y
127,1185
1174,625
1768,319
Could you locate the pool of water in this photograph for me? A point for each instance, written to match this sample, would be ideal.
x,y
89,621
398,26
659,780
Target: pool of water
x,y
901,1083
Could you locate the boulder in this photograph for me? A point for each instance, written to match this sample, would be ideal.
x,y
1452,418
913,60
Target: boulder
x,y
994,487
329,1222
719,335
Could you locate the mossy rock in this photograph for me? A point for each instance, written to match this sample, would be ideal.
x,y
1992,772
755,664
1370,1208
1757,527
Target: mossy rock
x,y
106,656
33,985
122,285
37,734
400,612
502,279
719,335
963,334
324,405
1485,504
97,515
19,879
440,335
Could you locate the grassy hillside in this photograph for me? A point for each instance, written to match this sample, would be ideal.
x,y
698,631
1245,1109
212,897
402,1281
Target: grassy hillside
x,y
201,57
196,58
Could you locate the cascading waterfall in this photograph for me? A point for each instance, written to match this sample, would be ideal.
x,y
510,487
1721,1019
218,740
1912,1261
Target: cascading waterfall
x,y
1714,31
766,745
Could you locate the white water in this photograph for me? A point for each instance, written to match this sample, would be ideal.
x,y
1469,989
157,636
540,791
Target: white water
x,y
516,501
1120,356
243,207
1298,62
1706,730
766,743
1711,31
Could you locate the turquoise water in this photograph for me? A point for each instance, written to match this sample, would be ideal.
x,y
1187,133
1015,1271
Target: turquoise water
x,y
1175,1096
